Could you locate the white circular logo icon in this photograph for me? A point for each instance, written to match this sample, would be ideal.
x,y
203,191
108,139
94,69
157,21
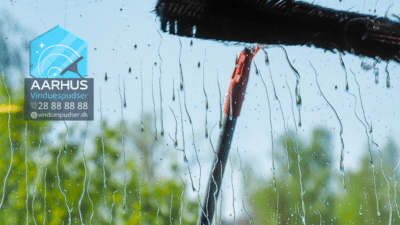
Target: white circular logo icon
x,y
34,115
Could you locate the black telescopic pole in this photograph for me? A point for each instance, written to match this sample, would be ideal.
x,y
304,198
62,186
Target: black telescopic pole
x,y
232,106
224,144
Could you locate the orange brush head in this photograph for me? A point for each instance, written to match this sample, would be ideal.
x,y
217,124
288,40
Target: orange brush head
x,y
238,83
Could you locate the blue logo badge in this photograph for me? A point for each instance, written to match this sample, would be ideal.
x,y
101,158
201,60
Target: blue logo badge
x,y
58,53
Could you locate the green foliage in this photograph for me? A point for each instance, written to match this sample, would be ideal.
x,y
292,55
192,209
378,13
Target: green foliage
x,y
62,182
285,204
325,199
361,204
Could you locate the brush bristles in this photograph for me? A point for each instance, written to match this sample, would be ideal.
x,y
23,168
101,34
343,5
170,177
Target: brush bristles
x,y
279,22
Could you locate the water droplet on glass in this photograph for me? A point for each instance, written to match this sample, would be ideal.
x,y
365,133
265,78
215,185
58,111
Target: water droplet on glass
x,y
376,73
366,65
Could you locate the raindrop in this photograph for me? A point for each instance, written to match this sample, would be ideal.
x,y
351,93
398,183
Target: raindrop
x,y
141,89
173,89
123,80
376,6
180,65
194,30
205,94
344,68
256,69
376,73
366,64
387,75
370,128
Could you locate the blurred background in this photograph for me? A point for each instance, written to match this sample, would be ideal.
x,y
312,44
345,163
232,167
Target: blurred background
x,y
161,103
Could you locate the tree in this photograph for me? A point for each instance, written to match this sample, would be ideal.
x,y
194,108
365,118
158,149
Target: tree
x,y
63,182
285,204
369,197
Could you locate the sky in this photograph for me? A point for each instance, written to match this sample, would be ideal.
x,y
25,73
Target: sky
x,y
113,29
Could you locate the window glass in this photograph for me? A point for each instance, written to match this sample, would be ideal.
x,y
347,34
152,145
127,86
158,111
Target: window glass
x,y
147,155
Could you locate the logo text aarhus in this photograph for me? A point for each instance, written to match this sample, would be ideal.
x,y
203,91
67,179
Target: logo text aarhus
x,y
67,84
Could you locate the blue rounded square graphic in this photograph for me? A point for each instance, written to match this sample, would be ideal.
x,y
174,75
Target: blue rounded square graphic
x,y
58,53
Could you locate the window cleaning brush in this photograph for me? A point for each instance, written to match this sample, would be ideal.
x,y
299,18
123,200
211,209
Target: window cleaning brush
x,y
282,22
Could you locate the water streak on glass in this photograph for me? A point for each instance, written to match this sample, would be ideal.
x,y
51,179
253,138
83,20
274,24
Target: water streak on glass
x,y
9,136
340,125
159,82
154,104
344,68
127,177
271,132
296,148
123,145
205,94
245,188
366,125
